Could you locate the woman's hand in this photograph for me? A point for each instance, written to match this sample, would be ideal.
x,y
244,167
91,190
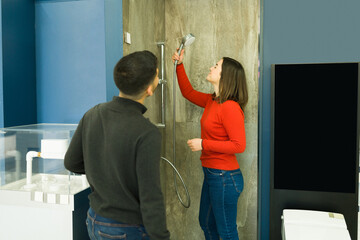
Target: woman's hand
x,y
195,144
177,57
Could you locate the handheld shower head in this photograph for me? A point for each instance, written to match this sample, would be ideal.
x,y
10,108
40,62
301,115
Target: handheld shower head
x,y
186,41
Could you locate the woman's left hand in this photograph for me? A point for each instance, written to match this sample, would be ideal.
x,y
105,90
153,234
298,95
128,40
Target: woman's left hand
x,y
195,144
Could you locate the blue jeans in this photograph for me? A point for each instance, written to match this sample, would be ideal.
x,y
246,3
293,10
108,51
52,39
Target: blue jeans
x,y
218,205
100,228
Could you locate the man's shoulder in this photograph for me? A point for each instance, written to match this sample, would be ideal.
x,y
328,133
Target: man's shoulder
x,y
149,126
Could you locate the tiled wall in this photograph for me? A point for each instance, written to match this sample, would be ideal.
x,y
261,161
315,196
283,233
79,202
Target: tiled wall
x,y
221,28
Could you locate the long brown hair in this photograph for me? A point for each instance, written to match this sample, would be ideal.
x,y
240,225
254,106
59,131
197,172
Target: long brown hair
x,y
232,84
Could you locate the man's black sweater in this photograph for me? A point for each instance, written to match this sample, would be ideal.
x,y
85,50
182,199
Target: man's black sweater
x,y
119,151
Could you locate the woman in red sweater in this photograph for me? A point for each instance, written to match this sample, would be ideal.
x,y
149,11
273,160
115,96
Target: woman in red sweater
x,y
222,136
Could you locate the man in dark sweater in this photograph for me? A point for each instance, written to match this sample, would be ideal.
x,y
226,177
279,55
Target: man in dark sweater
x,y
119,151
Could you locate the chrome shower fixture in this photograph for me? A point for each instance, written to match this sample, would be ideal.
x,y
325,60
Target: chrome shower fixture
x,y
186,41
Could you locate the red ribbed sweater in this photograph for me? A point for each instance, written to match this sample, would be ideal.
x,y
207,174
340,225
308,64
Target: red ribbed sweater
x,y
222,126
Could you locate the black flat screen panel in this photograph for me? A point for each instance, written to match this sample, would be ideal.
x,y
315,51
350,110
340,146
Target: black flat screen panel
x,y
315,127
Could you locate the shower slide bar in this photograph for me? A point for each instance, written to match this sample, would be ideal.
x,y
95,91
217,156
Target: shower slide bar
x,y
162,82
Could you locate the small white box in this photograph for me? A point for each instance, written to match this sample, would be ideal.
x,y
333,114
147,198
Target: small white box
x,y
54,146
51,198
64,199
127,38
39,197
313,225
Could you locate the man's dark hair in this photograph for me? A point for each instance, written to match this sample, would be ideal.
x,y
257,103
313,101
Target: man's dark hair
x,y
135,72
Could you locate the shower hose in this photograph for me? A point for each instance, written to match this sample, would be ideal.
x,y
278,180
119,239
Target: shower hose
x,y
177,192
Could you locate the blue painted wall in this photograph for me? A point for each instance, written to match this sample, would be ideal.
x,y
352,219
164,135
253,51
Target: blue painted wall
x,y
295,31
2,162
1,77
113,43
70,59
18,63
77,42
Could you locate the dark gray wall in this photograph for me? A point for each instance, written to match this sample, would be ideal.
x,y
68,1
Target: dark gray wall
x,y
299,32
